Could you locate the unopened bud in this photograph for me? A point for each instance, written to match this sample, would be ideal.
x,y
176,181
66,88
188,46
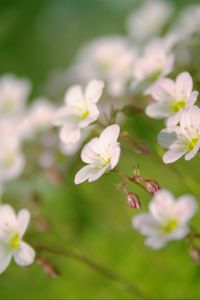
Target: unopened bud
x,y
151,186
48,267
133,200
195,254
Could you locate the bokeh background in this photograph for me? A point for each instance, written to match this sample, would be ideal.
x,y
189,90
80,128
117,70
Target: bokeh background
x,y
39,39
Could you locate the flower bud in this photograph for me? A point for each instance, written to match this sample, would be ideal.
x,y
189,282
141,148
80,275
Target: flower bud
x,y
195,254
151,186
48,267
133,200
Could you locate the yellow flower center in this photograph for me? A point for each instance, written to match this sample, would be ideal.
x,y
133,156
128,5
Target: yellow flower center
x,y
192,144
175,106
170,226
85,114
14,243
8,106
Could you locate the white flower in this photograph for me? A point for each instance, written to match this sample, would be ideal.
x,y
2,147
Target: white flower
x,y
171,97
12,161
149,19
101,154
109,58
166,220
13,94
80,110
12,229
156,62
184,139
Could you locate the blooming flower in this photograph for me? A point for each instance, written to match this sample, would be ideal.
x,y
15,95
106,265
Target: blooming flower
x,y
156,62
101,154
12,229
166,220
171,97
149,19
79,111
109,58
13,94
184,139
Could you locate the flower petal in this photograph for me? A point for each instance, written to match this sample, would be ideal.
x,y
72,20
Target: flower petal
x,y
83,174
8,220
173,120
74,96
184,85
5,258
191,117
192,153
114,153
145,224
168,136
89,151
193,98
70,134
109,135
172,155
158,110
156,242
185,208
23,218
94,91
24,255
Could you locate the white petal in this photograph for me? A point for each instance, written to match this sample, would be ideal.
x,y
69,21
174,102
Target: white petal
x,y
185,208
97,174
179,233
8,220
174,119
184,85
70,134
23,218
83,174
168,136
193,98
172,155
158,110
74,96
155,242
5,258
163,90
89,151
114,153
161,206
94,91
61,116
191,117
24,255
192,153
145,224
109,135
93,114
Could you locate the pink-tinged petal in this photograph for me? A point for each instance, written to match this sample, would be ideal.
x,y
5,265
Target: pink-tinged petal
x,y
172,155
5,258
156,242
23,218
161,206
174,119
83,174
191,117
74,96
192,98
8,220
70,134
145,224
90,151
109,135
185,208
24,255
94,91
157,110
192,153
61,116
184,85
163,90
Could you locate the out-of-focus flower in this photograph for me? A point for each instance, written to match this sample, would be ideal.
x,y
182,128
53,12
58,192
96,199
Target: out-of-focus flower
x,y
37,119
156,62
101,154
166,220
171,98
13,94
71,149
12,160
149,19
12,229
184,139
109,58
80,110
188,22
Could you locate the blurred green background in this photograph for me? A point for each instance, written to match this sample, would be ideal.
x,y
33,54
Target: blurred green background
x,y
39,39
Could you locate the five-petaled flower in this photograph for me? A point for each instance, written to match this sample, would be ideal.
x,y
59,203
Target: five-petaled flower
x,y
79,111
166,220
101,154
12,229
184,139
171,98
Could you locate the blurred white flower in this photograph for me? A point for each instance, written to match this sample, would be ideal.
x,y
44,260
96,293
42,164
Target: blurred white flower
x,y
80,110
156,62
12,229
71,149
109,58
12,161
38,118
101,154
149,19
166,220
13,94
184,139
171,98
188,22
